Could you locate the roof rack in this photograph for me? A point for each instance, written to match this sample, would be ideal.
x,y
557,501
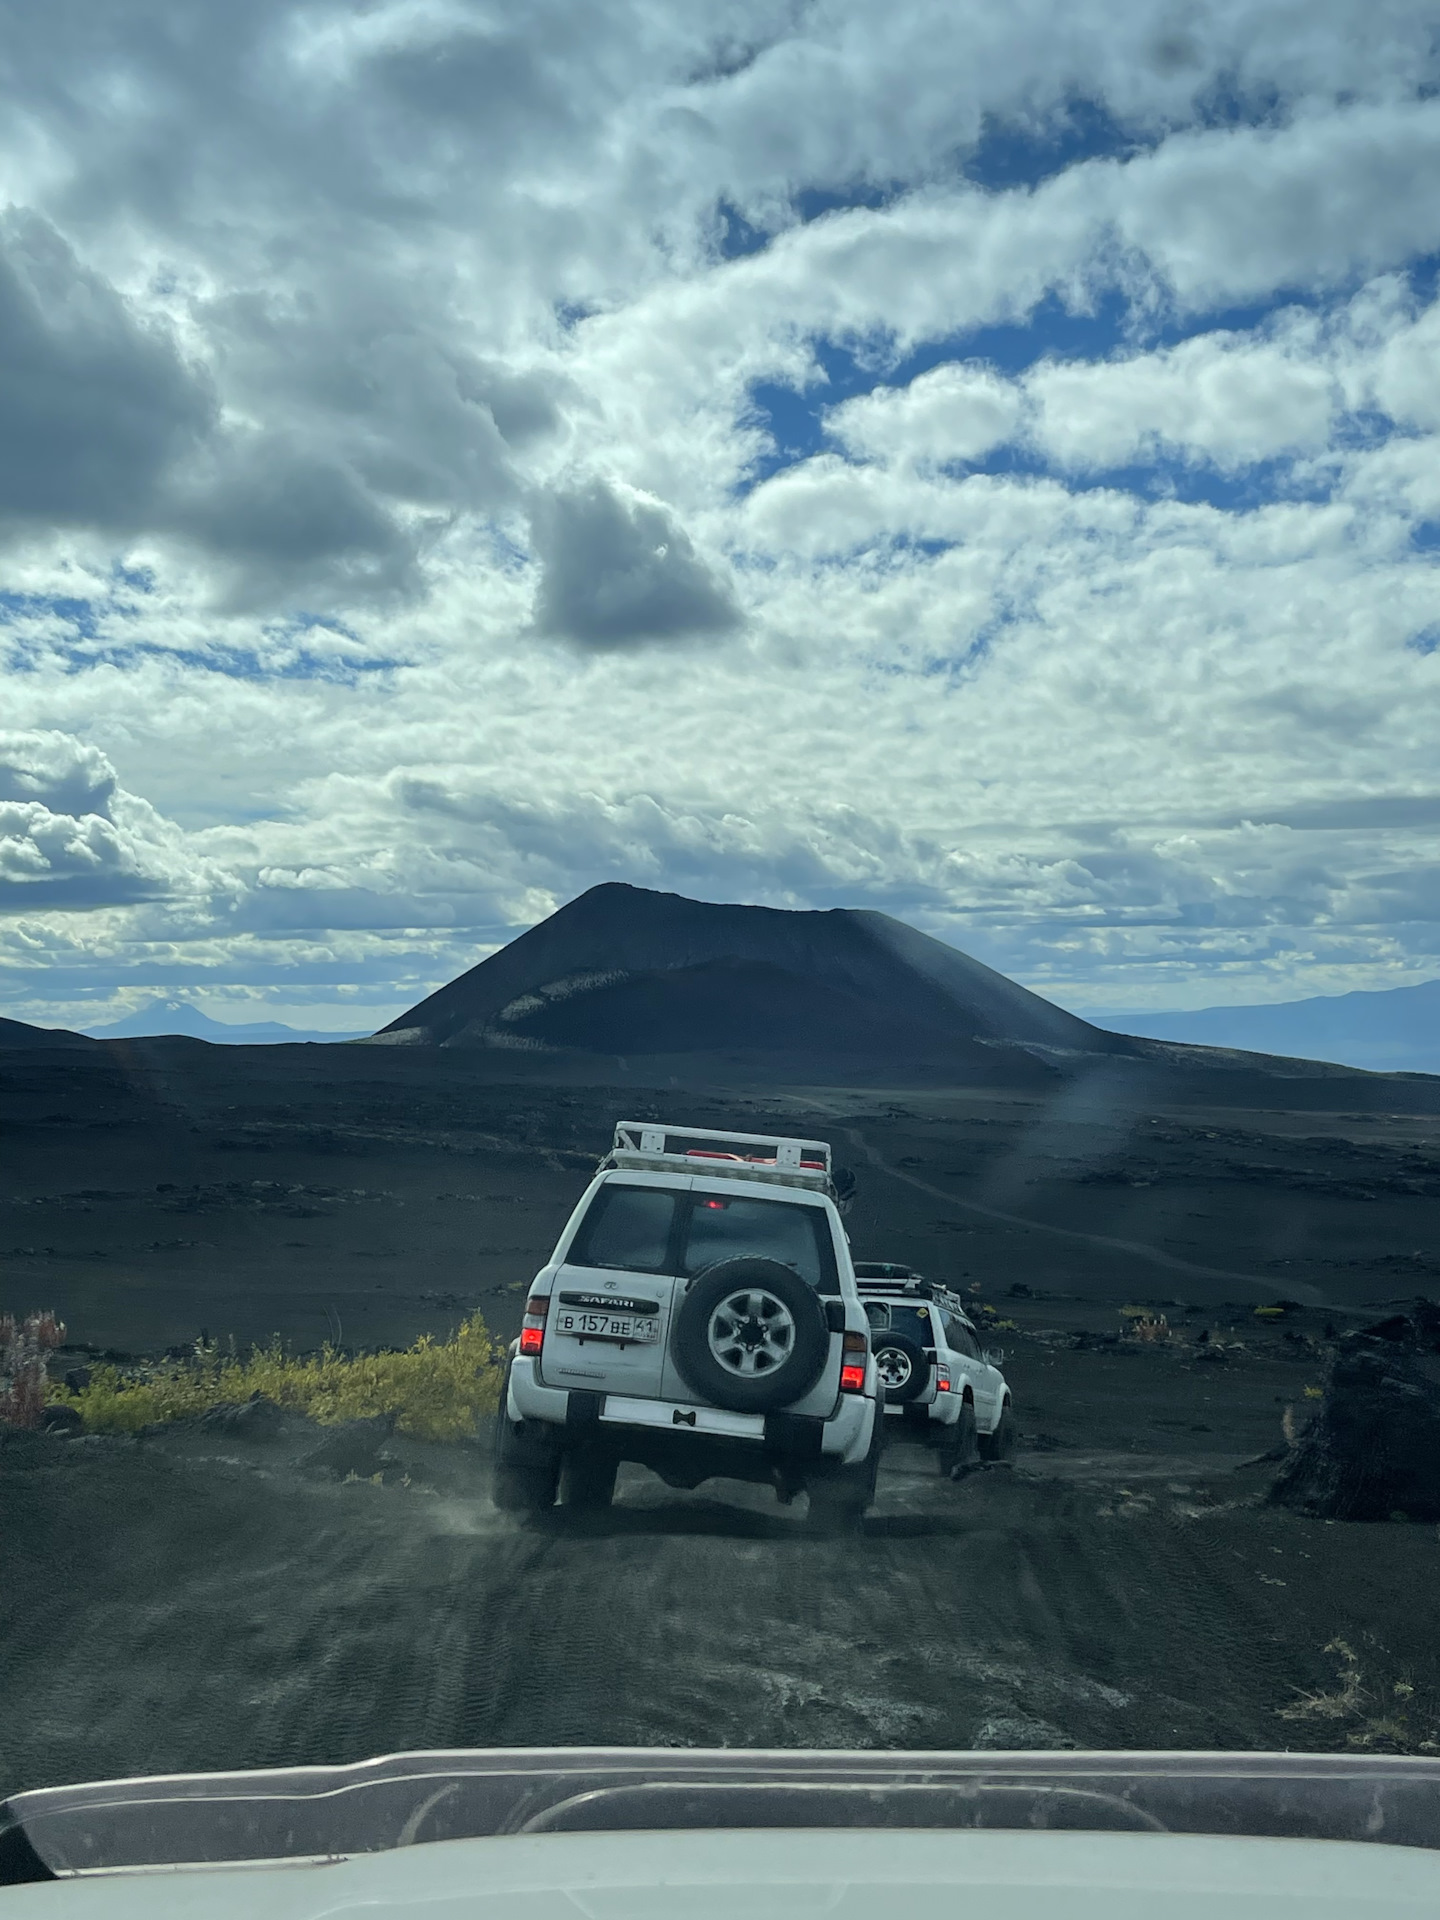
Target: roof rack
x,y
911,1284
906,1281
767,1158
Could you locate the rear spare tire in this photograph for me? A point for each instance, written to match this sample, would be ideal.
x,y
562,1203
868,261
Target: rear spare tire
x,y
903,1367
750,1335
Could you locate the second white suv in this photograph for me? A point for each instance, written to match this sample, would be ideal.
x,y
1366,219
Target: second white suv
x,y
938,1380
699,1315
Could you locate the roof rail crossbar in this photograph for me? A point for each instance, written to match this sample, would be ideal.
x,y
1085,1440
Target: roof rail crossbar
x,y
765,1157
647,1136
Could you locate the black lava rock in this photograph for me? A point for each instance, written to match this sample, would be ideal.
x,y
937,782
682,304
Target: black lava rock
x,y
354,1448
1418,1329
1372,1451
257,1418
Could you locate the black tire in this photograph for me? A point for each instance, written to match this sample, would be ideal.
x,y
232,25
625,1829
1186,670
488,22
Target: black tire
x,y
587,1481
840,1501
903,1365
958,1448
525,1490
1000,1445
769,1358
526,1463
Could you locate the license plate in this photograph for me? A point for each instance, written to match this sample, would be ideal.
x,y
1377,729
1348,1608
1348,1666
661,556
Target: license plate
x,y
585,1324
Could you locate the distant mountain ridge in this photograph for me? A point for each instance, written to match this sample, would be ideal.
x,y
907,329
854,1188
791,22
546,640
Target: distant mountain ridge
x,y
622,970
1394,1030
163,1017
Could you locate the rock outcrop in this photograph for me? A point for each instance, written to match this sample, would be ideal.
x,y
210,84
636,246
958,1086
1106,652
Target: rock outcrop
x,y
1372,1451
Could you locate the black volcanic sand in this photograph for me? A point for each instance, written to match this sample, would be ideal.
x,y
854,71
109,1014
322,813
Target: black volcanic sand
x,y
369,1195
180,1604
183,1602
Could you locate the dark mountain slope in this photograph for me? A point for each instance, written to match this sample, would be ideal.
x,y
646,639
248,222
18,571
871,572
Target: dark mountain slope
x,y
15,1033
623,970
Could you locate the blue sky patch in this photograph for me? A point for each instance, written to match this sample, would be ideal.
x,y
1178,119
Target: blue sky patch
x,y
794,416
1009,154
84,646
737,237
79,614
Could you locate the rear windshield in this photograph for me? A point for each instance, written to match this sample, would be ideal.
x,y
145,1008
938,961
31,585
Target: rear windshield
x,y
629,1228
723,1229
915,1321
641,1230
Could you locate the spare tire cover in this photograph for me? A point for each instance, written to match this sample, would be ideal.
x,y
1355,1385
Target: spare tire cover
x,y
750,1335
903,1366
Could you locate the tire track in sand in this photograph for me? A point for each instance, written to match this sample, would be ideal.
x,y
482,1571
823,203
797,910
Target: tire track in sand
x,y
1137,1249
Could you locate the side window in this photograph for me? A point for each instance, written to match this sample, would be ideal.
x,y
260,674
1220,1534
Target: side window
x,y
878,1314
627,1228
961,1339
720,1228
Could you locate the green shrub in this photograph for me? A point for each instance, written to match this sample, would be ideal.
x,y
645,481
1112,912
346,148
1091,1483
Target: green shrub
x,y
437,1389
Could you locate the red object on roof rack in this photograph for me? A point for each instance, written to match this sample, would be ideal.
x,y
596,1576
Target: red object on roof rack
x,y
766,1158
747,1159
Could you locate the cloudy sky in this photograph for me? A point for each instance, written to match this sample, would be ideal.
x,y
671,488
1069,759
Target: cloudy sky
x,y
980,461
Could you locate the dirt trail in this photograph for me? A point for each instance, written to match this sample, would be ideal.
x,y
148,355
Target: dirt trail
x,y
167,1610
1172,1263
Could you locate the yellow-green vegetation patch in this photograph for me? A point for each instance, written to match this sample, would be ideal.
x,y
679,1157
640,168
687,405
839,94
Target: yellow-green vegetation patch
x,y
437,1389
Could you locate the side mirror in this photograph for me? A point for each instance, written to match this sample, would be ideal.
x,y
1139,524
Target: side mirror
x,y
994,1356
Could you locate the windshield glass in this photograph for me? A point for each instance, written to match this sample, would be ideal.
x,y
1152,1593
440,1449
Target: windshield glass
x,y
803,633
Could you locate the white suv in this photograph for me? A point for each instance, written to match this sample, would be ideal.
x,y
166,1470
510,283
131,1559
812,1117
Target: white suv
x,y
699,1315
937,1378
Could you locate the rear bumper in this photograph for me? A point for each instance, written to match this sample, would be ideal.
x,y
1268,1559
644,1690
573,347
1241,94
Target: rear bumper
x,y
645,1430
943,1408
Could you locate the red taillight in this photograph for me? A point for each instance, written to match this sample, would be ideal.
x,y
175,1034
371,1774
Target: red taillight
x,y
853,1349
532,1333
943,1383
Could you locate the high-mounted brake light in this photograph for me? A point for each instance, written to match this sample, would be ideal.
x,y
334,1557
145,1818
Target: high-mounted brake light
x,y
853,1349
